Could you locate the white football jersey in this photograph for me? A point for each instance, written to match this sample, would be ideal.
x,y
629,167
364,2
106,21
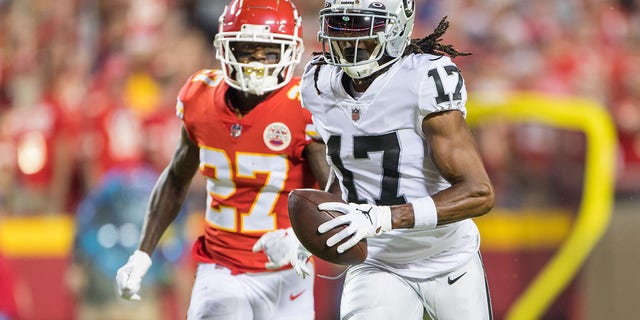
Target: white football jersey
x,y
376,146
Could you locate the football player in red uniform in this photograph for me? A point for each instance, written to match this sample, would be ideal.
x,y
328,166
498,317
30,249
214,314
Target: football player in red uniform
x,y
245,130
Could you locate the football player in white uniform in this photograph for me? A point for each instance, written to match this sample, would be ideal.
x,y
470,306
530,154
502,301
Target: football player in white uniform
x,y
392,113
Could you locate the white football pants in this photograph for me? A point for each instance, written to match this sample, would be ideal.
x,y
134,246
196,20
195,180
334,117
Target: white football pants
x,y
217,294
372,293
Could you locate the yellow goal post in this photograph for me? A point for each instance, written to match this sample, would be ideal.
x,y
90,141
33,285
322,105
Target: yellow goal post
x,y
595,207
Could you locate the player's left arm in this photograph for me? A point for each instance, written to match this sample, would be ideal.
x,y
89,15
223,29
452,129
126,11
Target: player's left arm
x,y
455,153
453,150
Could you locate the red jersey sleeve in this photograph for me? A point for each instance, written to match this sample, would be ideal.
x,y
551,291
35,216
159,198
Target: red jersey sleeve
x,y
199,83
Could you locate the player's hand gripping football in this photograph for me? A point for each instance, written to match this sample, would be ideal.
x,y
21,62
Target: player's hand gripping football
x,y
129,276
282,247
362,220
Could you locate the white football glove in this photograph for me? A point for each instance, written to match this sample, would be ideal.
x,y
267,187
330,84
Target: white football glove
x,y
129,276
282,248
362,220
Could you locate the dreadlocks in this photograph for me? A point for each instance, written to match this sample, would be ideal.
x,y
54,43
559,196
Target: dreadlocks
x,y
429,44
316,72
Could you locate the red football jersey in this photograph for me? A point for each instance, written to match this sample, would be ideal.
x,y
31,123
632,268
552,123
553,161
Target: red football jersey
x,y
251,164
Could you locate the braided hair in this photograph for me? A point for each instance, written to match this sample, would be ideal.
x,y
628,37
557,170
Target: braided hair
x,y
429,44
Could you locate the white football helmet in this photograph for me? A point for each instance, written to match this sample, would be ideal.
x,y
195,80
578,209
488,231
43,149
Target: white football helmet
x,y
355,35
261,22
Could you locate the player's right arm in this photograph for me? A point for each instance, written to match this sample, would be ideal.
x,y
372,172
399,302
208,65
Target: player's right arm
x,y
165,203
316,156
169,192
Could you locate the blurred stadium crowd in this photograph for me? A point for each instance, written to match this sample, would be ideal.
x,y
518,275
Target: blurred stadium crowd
x,y
88,87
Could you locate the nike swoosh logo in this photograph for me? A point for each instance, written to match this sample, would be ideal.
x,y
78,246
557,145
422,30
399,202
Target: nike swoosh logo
x,y
295,296
452,281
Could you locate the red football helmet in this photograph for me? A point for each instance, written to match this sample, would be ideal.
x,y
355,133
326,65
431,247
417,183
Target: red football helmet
x,y
266,22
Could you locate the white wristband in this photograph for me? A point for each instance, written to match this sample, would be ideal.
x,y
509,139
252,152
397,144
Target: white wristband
x,y
425,215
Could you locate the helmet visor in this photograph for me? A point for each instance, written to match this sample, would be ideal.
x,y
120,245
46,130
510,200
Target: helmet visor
x,y
353,25
264,52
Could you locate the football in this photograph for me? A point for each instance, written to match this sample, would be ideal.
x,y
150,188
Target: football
x,y
305,219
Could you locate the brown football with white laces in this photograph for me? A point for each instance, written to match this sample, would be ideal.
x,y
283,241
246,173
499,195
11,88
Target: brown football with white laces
x,y
305,219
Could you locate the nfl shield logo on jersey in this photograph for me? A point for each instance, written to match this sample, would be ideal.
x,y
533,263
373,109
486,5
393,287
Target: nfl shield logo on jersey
x,y
277,136
236,130
355,114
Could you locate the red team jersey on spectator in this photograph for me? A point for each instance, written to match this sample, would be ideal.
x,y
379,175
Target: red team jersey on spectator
x,y
251,164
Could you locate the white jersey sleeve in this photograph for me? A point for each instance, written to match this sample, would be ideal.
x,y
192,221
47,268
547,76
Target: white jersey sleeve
x,y
442,87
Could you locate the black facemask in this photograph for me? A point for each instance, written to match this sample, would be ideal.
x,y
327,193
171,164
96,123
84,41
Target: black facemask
x,y
358,54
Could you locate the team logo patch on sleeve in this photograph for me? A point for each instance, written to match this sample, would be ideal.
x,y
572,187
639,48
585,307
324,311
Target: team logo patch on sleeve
x,y
277,136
